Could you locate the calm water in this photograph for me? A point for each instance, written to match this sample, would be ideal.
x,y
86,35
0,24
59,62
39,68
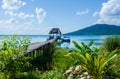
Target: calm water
x,y
98,39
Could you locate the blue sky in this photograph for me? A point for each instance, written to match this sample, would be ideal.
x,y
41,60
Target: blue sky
x,y
39,16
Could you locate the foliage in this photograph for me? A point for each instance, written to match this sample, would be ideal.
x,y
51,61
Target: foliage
x,y
96,61
53,74
112,43
60,61
59,64
33,74
95,64
86,48
116,69
12,48
14,65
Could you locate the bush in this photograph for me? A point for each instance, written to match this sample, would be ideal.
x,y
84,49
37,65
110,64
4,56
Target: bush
x,y
60,60
112,43
96,64
34,74
53,74
12,50
59,64
116,69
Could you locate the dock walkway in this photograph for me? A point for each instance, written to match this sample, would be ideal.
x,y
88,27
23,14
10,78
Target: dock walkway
x,y
35,49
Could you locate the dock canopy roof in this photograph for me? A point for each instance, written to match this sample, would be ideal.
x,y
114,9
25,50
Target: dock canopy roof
x,y
55,31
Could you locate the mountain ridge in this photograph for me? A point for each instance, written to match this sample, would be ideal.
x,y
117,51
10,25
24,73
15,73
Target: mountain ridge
x,y
97,29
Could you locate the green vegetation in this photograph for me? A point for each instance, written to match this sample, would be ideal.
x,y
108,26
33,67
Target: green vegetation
x,y
92,61
112,43
11,51
60,64
14,65
99,62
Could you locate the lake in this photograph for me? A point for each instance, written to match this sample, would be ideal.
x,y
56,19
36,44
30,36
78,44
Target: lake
x,y
98,39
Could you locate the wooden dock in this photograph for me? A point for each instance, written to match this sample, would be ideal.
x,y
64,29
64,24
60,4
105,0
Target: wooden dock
x,y
38,48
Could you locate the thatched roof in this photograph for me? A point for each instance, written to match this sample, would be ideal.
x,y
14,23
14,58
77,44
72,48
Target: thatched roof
x,y
55,31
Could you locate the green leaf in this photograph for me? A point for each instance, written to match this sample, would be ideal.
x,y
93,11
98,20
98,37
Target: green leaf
x,y
91,43
88,57
77,46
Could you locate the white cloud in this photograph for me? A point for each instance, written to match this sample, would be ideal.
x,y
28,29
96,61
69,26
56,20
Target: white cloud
x,y
20,15
12,4
8,21
40,14
82,12
95,13
110,12
11,20
18,21
12,9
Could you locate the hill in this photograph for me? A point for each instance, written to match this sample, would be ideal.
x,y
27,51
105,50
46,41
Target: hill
x,y
98,29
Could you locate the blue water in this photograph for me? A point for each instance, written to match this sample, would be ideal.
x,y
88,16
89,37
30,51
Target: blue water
x,y
98,39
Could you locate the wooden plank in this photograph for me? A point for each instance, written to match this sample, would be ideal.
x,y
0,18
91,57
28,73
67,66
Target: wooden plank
x,y
38,45
35,46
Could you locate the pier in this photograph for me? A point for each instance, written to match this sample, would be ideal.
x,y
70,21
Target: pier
x,y
44,48
40,48
37,49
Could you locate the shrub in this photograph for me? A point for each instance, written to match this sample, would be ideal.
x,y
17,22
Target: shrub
x,y
112,43
60,61
53,74
34,74
86,48
116,69
11,51
95,64
59,64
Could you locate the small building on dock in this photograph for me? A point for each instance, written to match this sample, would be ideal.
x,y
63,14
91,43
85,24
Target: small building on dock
x,y
55,33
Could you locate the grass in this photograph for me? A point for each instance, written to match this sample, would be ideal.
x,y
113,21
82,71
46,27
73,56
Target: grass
x,y
61,61
112,43
60,64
